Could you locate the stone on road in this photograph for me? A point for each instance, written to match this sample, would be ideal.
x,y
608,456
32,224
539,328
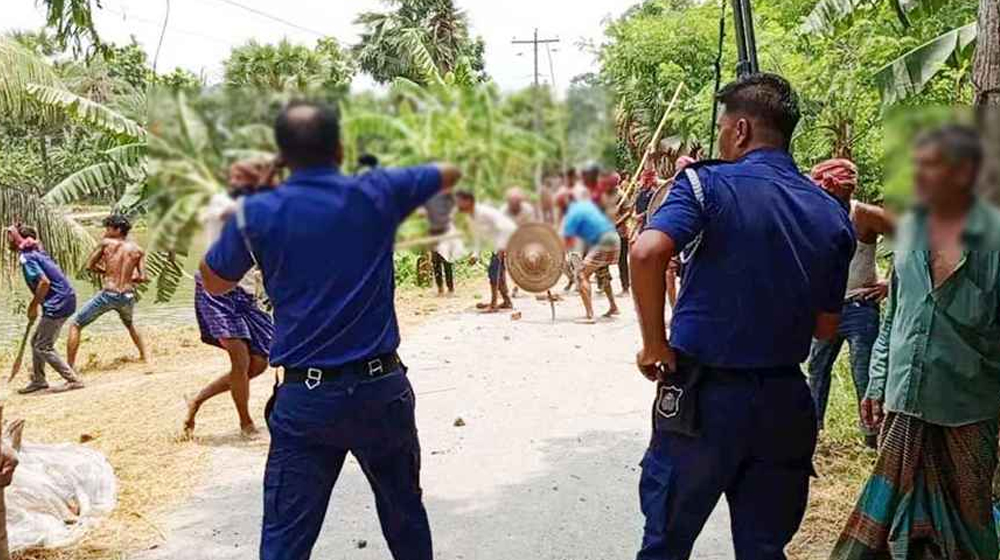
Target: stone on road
x,y
544,465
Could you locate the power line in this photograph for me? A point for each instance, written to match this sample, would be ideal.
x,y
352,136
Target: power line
x,y
272,17
127,17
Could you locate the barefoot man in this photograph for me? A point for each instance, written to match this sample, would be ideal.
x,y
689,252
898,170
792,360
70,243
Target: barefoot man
x,y
490,225
121,264
233,321
588,223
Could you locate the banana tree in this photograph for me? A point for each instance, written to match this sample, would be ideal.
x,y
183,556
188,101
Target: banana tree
x,y
909,74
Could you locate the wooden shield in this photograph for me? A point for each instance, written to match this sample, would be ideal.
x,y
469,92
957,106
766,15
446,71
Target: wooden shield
x,y
535,257
659,197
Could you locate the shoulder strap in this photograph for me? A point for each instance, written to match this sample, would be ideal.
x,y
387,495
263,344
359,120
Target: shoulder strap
x,y
699,193
241,224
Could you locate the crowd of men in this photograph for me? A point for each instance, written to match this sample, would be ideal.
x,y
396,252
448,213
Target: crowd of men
x,y
776,267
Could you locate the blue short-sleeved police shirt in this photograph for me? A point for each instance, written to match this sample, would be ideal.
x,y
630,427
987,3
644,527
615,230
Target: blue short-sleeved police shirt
x,y
774,254
324,242
60,301
586,221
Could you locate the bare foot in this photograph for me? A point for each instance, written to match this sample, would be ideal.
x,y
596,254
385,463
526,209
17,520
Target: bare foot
x,y
612,313
249,431
192,407
585,321
489,309
485,305
506,305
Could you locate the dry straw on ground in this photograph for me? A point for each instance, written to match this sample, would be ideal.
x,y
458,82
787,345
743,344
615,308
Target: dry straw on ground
x,y
132,412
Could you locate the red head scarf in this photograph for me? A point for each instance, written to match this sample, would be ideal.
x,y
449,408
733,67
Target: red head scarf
x,y
838,177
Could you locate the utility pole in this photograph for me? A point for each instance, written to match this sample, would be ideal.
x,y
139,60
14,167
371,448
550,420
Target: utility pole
x,y
535,43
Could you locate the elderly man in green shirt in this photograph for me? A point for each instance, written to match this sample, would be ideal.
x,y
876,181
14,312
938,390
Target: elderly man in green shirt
x,y
935,373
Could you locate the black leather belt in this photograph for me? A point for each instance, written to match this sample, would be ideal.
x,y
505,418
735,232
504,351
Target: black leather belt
x,y
374,367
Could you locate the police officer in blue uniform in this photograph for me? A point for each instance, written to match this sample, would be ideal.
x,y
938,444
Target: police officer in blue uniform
x,y
324,242
766,259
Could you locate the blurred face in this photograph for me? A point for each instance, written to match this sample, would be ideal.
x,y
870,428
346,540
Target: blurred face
x,y
734,136
465,205
590,179
111,232
240,177
937,178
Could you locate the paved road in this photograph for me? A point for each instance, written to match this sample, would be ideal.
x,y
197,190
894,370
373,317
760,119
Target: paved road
x,y
545,468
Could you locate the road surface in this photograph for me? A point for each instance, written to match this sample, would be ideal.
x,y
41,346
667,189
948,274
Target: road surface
x,y
545,467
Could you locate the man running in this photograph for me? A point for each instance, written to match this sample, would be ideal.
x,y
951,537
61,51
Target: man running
x,y
587,223
53,294
121,264
859,317
490,226
767,256
935,377
324,241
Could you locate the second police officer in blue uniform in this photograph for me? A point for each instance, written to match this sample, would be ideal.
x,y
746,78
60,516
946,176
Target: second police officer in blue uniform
x,y
766,259
324,242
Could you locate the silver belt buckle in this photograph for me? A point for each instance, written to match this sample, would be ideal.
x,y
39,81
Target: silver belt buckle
x,y
374,367
313,378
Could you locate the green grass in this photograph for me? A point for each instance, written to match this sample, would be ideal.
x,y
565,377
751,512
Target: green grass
x,y
843,464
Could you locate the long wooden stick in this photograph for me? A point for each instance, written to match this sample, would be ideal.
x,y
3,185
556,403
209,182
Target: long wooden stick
x,y
424,241
20,353
630,188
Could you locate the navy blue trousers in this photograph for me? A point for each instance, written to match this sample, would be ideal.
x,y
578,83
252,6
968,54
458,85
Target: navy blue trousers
x,y
312,431
758,435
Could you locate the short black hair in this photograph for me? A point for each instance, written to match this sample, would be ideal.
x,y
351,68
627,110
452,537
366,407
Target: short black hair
x,y
368,160
768,97
465,195
958,143
27,232
119,222
307,133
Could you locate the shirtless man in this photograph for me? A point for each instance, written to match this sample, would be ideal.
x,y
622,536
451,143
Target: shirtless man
x,y
121,264
861,313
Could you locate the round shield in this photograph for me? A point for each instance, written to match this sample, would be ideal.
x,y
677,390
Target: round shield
x,y
659,197
535,257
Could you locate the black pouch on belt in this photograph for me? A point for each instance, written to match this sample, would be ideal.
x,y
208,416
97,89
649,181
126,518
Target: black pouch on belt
x,y
676,406
269,407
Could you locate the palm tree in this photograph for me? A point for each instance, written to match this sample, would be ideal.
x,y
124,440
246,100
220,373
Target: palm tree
x,y
22,76
443,29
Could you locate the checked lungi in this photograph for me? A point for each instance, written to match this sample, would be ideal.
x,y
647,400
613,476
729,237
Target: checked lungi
x,y
930,496
601,256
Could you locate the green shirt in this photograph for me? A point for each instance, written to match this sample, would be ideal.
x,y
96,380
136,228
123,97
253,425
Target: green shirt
x,y
938,352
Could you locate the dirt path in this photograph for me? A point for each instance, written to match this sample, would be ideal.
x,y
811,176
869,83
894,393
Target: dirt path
x,y
545,467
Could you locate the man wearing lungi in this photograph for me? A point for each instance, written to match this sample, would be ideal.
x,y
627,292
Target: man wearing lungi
x,y
233,321
767,254
589,224
935,376
344,388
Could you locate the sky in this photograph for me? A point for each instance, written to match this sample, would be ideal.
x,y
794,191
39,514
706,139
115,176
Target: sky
x,y
201,33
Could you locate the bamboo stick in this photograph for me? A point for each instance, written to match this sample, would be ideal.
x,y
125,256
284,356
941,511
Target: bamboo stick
x,y
630,188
